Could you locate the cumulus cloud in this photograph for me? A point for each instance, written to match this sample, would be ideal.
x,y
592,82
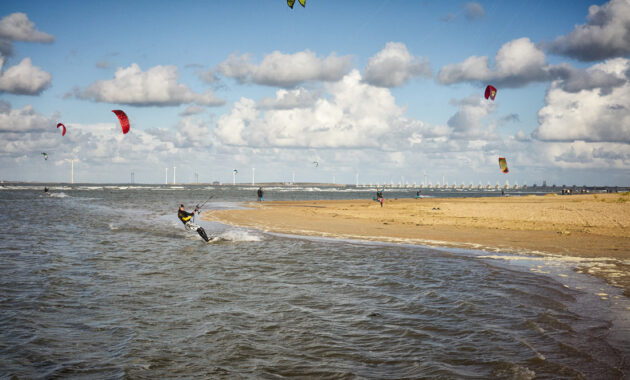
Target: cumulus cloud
x,y
605,35
394,66
24,78
193,132
474,11
517,63
17,27
355,115
576,80
520,62
285,70
23,120
521,136
582,154
586,115
157,86
471,120
288,99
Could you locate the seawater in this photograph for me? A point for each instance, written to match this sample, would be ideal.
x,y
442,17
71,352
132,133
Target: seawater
x,y
102,281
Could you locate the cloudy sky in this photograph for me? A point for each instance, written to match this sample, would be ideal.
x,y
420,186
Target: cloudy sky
x,y
387,89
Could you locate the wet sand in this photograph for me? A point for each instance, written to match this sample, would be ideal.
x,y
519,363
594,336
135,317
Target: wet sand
x,y
588,226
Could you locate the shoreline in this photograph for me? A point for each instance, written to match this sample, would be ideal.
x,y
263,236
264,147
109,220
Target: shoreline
x,y
586,226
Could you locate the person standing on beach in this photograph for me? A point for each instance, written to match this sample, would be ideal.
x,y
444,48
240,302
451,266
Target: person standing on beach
x,y
379,196
261,194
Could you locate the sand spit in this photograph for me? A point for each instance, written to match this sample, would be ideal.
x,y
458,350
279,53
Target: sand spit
x,y
593,226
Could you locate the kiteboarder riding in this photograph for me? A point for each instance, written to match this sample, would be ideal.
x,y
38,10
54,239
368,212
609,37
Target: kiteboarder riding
x,y
186,217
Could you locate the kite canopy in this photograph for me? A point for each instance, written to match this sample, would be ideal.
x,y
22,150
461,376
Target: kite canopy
x,y
316,163
124,121
491,92
503,165
63,132
291,2
45,156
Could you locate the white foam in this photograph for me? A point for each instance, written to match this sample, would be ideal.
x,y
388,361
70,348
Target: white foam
x,y
59,195
237,235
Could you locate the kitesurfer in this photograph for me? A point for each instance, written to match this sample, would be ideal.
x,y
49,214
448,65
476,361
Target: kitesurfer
x,y
261,194
186,217
379,196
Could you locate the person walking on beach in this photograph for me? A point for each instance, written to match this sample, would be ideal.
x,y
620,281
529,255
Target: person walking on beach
x,y
261,194
186,217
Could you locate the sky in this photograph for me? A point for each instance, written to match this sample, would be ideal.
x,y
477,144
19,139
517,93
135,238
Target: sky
x,y
383,91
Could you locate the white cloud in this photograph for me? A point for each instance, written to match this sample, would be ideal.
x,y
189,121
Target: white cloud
x,y
157,86
356,115
517,63
285,70
24,78
288,99
394,66
582,155
193,132
521,136
587,115
474,11
576,80
471,120
17,27
605,35
24,120
520,62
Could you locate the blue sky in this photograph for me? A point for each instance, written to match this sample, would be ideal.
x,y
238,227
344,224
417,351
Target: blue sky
x,y
388,89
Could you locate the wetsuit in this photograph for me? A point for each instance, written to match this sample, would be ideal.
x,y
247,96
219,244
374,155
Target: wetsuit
x,y
186,217
260,195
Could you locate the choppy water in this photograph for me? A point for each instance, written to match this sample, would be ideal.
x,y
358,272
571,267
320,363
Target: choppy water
x,y
104,282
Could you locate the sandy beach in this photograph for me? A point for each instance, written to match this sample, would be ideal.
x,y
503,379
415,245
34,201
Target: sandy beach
x,y
586,226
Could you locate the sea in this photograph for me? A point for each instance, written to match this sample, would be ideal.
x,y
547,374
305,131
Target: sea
x,y
104,282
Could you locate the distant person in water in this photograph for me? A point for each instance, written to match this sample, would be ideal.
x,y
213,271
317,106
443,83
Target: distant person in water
x,y
261,194
45,189
379,196
186,217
